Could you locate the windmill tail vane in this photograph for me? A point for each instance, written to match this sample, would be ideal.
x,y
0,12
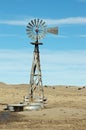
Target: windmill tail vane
x,y
53,30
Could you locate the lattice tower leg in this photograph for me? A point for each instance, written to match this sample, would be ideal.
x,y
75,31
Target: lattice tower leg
x,y
36,87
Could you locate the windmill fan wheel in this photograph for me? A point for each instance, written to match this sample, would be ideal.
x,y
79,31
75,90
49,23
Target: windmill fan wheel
x,y
36,29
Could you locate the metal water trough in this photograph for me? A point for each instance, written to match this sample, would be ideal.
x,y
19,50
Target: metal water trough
x,y
34,106
24,107
15,107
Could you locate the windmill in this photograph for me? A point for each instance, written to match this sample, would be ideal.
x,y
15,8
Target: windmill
x,y
36,30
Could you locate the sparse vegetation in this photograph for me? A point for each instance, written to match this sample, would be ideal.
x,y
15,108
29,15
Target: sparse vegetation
x,y
45,86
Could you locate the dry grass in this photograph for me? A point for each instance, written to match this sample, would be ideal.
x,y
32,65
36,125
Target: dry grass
x,y
65,109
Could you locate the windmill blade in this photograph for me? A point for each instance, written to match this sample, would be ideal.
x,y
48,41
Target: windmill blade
x,y
32,22
28,32
53,30
43,23
29,27
35,22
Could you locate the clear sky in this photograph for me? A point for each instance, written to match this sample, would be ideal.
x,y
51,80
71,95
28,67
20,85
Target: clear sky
x,y
63,56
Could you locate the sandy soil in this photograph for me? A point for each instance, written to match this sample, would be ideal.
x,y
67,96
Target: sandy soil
x,y
65,109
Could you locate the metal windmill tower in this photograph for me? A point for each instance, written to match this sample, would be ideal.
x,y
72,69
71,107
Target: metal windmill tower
x,y
36,30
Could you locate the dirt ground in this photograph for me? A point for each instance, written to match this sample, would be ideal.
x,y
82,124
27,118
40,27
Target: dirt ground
x,y
65,109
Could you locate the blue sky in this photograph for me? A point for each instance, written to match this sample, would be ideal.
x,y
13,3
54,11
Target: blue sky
x,y
63,56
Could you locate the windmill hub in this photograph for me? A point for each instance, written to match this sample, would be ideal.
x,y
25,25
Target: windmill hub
x,y
37,30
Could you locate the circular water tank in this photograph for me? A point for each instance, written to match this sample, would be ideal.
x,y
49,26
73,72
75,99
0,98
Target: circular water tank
x,y
33,106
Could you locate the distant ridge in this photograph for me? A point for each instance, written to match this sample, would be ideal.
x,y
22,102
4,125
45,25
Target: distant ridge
x,y
24,85
3,84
